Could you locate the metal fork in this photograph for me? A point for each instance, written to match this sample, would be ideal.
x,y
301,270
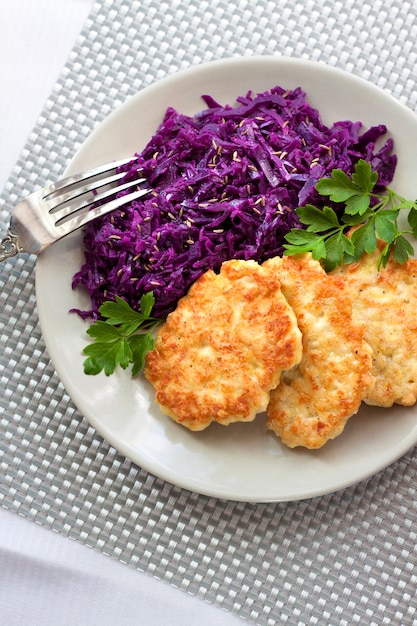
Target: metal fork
x,y
58,209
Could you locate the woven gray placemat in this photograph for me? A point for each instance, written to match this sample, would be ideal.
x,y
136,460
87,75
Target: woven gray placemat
x,y
346,558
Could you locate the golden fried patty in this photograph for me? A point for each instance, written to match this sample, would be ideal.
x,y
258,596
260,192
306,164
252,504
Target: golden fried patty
x,y
315,399
386,301
224,347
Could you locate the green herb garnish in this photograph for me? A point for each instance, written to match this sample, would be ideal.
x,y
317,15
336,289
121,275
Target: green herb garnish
x,y
325,236
122,337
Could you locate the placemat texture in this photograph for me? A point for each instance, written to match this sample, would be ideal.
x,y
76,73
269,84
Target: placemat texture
x,y
347,558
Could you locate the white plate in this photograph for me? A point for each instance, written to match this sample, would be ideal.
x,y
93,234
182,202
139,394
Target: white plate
x,y
243,461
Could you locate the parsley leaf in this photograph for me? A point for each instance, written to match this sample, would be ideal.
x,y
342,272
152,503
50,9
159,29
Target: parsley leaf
x,y
121,338
374,216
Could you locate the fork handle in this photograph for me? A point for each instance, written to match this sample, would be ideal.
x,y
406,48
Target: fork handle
x,y
9,246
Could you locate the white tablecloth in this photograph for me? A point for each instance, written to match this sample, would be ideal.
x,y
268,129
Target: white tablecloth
x,y
47,579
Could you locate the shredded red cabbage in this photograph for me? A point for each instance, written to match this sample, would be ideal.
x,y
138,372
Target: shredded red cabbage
x,y
226,185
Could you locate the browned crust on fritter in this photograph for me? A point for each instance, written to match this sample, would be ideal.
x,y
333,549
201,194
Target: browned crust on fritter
x,y
386,302
223,349
315,399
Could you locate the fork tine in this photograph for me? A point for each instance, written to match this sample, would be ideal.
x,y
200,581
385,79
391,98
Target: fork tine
x,y
61,212
69,181
64,196
65,193
81,219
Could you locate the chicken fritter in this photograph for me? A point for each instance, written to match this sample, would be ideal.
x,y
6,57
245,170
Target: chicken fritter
x,y
386,301
314,399
224,347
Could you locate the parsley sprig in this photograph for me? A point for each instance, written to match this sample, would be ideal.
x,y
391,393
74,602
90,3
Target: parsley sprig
x,y
122,337
373,215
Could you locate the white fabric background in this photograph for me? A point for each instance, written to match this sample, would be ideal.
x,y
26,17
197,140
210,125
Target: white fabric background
x,y
47,579
36,37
